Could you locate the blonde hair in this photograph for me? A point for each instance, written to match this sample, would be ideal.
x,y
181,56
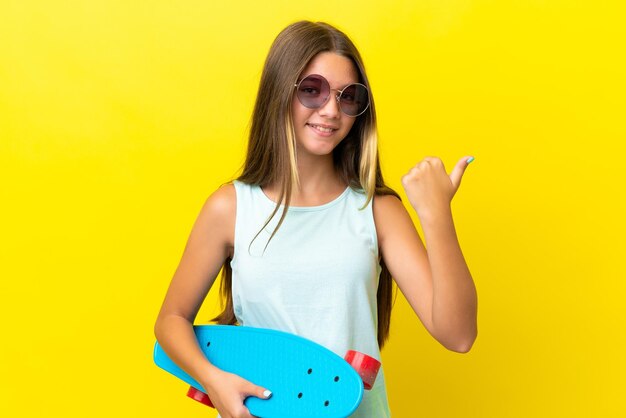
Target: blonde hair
x,y
271,155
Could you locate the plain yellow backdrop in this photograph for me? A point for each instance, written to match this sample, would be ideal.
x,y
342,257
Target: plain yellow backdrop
x,y
119,118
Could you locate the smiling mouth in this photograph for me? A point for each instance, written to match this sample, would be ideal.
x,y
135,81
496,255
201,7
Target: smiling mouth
x,y
323,129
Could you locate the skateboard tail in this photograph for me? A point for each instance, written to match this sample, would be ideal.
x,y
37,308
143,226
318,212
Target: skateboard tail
x,y
164,362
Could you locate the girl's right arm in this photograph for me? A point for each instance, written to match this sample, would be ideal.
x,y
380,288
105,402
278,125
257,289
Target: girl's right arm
x,y
210,243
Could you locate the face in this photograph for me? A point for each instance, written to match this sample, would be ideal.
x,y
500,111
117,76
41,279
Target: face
x,y
319,131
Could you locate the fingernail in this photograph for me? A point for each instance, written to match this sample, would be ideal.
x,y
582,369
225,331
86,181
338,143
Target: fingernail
x,y
267,394
469,160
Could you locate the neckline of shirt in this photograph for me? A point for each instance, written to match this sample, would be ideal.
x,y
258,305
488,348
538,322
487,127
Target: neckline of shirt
x,y
305,208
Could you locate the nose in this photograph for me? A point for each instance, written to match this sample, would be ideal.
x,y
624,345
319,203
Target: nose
x,y
331,108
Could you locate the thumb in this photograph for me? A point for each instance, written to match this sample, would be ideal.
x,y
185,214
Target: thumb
x,y
258,391
458,170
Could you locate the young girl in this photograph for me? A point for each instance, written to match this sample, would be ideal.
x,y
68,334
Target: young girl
x,y
309,237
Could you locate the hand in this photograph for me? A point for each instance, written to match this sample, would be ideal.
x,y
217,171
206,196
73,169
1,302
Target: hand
x,y
429,188
228,391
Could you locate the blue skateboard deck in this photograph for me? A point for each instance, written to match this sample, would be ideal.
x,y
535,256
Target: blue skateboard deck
x,y
306,379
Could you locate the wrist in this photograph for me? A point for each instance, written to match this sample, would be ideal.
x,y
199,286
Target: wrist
x,y
435,217
208,376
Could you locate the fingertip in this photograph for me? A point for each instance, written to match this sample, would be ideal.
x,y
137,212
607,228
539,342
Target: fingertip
x,y
469,160
267,394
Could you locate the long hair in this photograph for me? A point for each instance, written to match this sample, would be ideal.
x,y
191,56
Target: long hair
x,y
271,155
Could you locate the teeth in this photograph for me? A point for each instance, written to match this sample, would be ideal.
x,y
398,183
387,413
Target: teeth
x,y
322,129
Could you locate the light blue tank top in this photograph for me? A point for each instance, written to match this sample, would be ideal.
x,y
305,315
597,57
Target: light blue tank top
x,y
317,277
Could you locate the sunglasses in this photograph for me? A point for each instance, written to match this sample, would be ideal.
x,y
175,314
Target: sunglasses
x,y
313,91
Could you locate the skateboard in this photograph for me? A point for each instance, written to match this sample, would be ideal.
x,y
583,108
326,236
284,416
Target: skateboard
x,y
306,379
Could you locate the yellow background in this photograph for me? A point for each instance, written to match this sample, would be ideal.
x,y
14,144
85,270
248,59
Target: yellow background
x,y
118,118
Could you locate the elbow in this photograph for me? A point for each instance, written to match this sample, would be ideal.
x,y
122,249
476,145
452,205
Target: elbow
x,y
462,348
461,345
158,327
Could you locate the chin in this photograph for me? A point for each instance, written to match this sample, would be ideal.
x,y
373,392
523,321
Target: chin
x,y
319,149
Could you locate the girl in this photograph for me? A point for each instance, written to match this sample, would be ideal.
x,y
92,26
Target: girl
x,y
309,237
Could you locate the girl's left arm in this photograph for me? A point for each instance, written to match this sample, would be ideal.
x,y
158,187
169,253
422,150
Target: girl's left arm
x,y
435,280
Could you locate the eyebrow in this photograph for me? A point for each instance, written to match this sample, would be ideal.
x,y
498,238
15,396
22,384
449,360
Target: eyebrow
x,y
331,87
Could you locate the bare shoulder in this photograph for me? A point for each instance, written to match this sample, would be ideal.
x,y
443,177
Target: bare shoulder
x,y
386,207
389,214
222,202
209,245
218,213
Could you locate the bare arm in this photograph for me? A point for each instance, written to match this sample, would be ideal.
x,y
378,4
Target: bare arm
x,y
209,245
437,283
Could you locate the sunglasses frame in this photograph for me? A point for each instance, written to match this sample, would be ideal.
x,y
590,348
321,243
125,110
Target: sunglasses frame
x,y
337,95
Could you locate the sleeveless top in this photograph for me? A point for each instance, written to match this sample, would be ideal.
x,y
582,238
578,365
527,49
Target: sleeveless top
x,y
317,277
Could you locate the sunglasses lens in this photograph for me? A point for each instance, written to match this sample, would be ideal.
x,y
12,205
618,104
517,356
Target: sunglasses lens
x,y
313,91
354,99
